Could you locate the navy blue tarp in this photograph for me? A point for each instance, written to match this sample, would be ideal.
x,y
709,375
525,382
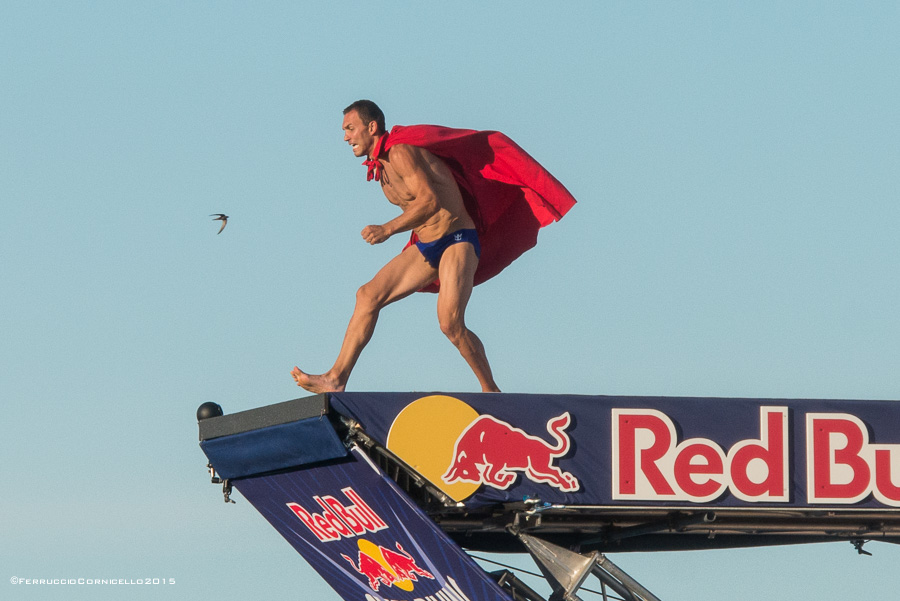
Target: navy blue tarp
x,y
649,451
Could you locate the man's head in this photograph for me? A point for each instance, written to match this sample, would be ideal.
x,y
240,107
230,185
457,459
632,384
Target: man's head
x,y
368,112
363,122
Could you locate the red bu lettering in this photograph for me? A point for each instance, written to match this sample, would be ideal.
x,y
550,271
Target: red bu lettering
x,y
843,467
648,465
338,521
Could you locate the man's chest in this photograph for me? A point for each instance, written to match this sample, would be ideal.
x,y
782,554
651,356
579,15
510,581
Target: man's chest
x,y
393,186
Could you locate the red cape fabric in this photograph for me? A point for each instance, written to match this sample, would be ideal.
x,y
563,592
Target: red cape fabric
x,y
508,194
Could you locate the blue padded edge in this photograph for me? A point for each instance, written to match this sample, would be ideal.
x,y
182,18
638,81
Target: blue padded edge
x,y
274,448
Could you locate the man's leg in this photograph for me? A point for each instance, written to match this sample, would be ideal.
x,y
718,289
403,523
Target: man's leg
x,y
404,274
457,274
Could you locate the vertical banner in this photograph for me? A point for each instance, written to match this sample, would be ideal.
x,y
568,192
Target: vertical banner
x,y
364,536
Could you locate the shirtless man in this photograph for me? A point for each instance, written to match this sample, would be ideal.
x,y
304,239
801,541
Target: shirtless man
x,y
431,205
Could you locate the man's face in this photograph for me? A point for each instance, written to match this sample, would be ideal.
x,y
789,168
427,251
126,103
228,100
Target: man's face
x,y
360,137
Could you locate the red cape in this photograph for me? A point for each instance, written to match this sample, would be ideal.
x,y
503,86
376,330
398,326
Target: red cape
x,y
508,194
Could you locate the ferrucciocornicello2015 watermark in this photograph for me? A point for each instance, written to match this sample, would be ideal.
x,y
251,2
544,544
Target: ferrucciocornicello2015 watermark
x,y
91,581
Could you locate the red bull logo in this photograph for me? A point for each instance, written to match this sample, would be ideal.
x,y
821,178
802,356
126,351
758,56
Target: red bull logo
x,y
458,450
461,451
382,566
337,520
491,451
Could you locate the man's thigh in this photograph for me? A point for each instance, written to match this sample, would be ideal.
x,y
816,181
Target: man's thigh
x,y
406,273
457,275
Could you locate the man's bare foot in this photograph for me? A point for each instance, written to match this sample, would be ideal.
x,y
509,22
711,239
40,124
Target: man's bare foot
x,y
316,384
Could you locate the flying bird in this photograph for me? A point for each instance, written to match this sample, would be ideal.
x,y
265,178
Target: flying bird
x,y
222,218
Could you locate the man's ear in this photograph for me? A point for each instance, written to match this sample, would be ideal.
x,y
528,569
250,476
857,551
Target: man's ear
x,y
372,127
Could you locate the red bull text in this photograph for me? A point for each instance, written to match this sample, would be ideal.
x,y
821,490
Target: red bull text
x,y
843,467
338,521
451,592
649,464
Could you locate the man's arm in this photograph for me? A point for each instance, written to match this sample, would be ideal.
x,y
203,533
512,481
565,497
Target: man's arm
x,y
408,164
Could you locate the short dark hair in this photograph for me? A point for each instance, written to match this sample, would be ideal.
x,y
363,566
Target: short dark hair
x,y
368,111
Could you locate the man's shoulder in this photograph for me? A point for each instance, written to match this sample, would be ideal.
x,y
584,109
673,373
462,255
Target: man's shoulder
x,y
406,154
403,147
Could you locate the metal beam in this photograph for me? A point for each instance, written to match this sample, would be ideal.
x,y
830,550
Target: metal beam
x,y
566,571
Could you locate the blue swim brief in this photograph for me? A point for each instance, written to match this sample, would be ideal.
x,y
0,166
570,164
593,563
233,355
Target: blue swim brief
x,y
433,251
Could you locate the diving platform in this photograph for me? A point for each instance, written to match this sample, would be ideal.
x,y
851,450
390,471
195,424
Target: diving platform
x,y
384,493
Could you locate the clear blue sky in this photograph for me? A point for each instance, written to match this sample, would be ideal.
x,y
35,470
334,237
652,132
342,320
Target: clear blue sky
x,y
736,235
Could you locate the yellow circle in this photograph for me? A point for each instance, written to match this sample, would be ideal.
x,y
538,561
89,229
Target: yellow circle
x,y
424,434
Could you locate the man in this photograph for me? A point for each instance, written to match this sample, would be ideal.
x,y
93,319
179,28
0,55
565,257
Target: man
x,y
436,176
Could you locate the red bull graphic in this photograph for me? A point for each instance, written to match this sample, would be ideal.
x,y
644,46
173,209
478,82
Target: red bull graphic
x,y
374,546
384,567
481,450
829,467
490,451
338,521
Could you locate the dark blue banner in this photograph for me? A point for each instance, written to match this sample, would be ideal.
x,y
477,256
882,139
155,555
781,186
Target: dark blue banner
x,y
364,536
482,449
